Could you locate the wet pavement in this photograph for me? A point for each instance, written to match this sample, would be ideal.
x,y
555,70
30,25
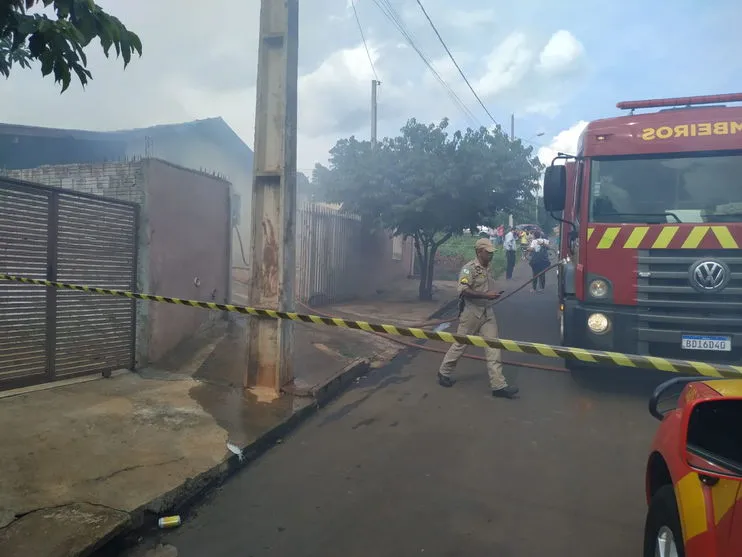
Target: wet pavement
x,y
399,466
80,457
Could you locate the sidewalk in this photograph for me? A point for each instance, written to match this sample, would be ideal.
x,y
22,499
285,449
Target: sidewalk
x,y
85,461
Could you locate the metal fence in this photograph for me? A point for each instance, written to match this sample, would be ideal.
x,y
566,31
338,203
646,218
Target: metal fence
x,y
52,234
328,257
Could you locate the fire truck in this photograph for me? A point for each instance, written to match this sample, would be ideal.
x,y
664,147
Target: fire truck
x,y
651,225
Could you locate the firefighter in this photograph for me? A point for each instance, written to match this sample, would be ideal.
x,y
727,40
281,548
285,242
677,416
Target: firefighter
x,y
477,317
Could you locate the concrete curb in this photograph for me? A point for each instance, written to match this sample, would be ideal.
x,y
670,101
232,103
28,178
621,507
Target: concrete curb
x,y
324,393
181,499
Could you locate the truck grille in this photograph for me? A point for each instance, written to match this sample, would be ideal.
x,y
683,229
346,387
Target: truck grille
x,y
669,306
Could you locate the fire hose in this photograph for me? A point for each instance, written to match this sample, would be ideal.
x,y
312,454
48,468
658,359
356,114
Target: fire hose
x,y
451,320
442,321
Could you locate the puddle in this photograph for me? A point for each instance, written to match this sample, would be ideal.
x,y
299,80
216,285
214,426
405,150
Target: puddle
x,y
241,413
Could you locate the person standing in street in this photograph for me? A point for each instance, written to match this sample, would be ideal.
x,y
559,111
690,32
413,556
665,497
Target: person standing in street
x,y
510,248
477,317
524,242
539,261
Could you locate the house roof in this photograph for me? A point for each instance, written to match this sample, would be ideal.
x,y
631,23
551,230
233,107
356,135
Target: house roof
x,y
20,145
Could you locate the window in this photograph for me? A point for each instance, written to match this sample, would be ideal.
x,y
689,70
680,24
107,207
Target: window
x,y
397,245
695,188
713,433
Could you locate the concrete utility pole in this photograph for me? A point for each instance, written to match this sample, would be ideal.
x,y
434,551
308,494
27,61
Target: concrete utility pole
x,y
374,86
512,127
273,242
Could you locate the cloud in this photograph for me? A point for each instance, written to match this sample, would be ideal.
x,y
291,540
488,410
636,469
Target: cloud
x,y
470,19
561,55
563,142
205,65
507,65
336,96
519,73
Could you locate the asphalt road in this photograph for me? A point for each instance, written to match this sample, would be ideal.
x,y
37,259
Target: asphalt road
x,y
399,466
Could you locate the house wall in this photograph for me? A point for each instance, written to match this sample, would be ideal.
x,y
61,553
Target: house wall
x,y
338,259
204,156
381,267
117,180
184,234
189,250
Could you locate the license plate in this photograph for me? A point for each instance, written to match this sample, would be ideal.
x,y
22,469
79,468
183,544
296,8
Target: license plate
x,y
711,343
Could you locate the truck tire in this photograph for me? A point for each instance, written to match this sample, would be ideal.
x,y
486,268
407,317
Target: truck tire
x,y
662,527
565,339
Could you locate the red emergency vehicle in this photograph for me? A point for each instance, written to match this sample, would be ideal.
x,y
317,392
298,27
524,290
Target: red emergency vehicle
x,y
694,471
652,211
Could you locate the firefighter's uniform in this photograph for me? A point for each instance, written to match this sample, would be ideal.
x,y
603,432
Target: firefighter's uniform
x,y
477,318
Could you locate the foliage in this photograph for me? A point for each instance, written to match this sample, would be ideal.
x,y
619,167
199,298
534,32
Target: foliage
x,y
429,185
545,220
59,43
458,250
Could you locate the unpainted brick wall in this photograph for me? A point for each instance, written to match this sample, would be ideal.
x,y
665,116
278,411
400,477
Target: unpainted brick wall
x,y
117,180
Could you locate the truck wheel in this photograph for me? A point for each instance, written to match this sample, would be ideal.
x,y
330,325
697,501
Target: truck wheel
x,y
663,536
565,339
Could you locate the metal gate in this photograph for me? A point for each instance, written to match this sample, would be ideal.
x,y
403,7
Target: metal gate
x,y
49,233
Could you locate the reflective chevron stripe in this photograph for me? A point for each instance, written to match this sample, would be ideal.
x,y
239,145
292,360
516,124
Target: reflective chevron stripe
x,y
631,236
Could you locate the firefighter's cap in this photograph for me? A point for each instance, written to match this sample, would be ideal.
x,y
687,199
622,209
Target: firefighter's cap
x,y
485,244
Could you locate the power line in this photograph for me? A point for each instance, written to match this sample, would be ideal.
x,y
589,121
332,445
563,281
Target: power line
x,y
391,14
388,9
455,63
463,75
363,38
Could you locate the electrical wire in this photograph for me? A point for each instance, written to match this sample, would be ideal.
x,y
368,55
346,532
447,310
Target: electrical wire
x,y
463,75
455,63
363,38
393,16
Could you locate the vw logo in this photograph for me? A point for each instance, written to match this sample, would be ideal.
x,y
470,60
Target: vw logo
x,y
708,275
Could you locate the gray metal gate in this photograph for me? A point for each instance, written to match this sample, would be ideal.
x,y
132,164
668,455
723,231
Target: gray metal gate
x,y
49,233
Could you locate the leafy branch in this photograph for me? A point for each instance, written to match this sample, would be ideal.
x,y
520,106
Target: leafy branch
x,y
58,44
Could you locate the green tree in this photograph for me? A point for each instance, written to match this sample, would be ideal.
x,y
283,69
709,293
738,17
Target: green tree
x,y
59,43
545,220
429,185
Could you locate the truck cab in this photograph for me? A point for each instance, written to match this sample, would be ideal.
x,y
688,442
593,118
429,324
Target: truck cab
x,y
652,211
694,470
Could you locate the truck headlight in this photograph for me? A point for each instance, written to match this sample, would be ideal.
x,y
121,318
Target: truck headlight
x,y
598,288
598,323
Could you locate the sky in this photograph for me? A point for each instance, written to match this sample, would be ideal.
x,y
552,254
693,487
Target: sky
x,y
553,67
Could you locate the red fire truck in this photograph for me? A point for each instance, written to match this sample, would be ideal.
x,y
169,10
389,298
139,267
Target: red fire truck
x,y
651,210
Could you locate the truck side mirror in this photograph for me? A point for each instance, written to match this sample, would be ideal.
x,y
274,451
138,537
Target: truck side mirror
x,y
713,442
555,188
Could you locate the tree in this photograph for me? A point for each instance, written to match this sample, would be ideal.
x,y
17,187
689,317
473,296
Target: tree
x,y
428,185
545,220
59,43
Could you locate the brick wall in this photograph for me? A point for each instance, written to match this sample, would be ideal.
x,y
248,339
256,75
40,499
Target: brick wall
x,y
118,180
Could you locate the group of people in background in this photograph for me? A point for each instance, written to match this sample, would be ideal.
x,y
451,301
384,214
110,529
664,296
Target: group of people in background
x,y
534,248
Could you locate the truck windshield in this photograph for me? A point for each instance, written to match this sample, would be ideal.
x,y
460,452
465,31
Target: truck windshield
x,y
666,189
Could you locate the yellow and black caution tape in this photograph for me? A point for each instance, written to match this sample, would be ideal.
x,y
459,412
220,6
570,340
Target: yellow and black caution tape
x,y
547,350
